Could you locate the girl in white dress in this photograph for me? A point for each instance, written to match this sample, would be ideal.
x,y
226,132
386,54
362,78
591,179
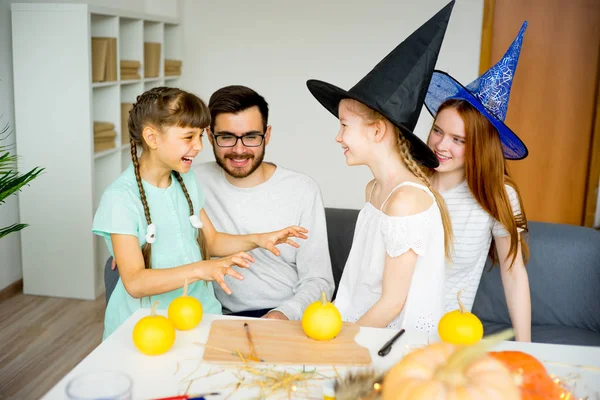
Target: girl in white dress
x,y
394,275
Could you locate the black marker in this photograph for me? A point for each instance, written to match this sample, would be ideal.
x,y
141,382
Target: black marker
x,y
388,346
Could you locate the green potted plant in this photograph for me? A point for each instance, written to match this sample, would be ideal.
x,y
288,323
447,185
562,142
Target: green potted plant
x,y
11,181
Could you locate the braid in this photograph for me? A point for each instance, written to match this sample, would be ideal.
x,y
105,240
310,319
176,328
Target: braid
x,y
418,171
136,168
200,238
187,195
147,247
410,162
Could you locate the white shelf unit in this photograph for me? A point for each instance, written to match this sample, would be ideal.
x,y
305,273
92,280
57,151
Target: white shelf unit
x,y
56,104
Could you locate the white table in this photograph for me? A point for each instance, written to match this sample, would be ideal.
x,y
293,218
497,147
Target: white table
x,y
163,376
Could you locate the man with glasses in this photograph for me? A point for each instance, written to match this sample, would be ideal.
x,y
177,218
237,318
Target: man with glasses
x,y
245,194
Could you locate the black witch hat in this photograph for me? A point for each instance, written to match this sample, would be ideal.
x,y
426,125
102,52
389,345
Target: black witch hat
x,y
397,86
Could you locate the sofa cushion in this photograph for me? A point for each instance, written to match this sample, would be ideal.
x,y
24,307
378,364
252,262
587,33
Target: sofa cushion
x,y
564,279
340,232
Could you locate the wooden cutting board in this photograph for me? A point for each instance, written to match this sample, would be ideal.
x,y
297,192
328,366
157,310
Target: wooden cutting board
x,y
283,342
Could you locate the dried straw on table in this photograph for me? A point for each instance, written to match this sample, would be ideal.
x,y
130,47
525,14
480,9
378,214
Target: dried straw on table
x,y
268,381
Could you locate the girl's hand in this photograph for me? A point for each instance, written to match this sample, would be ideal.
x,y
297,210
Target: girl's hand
x,y
215,270
270,240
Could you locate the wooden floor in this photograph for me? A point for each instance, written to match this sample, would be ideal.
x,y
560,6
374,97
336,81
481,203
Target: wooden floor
x,y
43,338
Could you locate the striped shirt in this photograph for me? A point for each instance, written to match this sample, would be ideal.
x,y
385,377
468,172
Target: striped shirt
x,y
473,229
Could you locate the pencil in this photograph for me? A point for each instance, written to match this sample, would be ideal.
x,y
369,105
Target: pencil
x,y
252,349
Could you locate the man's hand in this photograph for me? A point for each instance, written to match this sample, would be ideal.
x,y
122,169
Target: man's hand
x,y
113,266
275,315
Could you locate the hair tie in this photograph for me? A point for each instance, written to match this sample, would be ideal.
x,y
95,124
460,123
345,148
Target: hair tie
x,y
151,234
195,221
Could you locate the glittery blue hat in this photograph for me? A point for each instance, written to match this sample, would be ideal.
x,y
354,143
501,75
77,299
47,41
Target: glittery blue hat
x,y
489,94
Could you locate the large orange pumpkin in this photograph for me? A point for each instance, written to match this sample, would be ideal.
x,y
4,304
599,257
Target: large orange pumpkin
x,y
531,376
444,371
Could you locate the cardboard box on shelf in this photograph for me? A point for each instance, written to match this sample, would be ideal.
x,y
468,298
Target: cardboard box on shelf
x,y
99,50
151,59
130,69
104,62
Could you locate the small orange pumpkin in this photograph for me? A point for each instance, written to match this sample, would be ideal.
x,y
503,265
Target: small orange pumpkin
x,y
444,371
531,376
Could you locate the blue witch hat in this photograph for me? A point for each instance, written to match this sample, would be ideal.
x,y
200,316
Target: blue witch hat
x,y
489,94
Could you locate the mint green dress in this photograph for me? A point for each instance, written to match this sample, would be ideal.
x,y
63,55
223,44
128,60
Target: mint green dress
x,y
121,212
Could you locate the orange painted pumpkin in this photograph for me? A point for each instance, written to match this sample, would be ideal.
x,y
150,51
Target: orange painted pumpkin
x,y
531,376
445,371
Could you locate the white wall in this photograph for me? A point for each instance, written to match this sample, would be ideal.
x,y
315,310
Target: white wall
x,y
10,246
275,46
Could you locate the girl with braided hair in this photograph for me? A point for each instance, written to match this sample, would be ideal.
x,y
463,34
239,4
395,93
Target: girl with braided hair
x,y
152,219
395,273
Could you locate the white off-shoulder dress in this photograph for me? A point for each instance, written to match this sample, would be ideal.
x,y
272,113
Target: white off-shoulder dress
x,y
375,235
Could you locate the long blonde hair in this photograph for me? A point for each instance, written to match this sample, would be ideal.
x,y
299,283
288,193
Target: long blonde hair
x,y
371,116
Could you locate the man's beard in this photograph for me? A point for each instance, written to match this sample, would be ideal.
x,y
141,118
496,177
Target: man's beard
x,y
240,172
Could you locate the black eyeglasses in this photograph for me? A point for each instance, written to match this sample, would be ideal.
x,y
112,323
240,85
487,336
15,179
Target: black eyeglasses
x,y
249,140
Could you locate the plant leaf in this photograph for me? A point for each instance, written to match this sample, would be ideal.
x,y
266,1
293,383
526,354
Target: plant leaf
x,y
11,182
11,229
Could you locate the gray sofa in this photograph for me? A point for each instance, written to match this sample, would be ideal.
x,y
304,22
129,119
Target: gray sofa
x,y
564,277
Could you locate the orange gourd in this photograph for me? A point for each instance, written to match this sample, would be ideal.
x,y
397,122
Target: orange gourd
x,y
531,376
444,371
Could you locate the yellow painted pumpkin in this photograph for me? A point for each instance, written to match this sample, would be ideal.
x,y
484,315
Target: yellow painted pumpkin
x,y
322,320
460,326
185,312
154,334
444,371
